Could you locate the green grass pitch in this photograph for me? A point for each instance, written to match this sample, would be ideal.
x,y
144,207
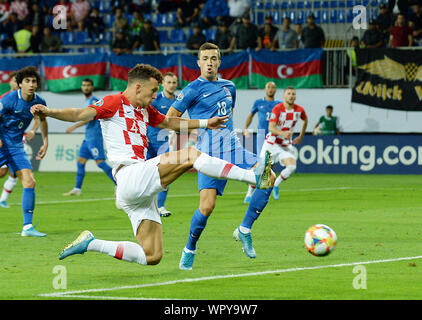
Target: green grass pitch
x,y
376,217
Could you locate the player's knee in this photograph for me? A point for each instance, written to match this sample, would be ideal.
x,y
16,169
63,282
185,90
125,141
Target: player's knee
x,y
28,182
291,168
154,258
207,208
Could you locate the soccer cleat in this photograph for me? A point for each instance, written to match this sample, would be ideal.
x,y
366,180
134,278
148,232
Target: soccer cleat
x,y
73,192
247,198
263,172
78,246
276,193
164,212
31,232
246,240
3,204
186,261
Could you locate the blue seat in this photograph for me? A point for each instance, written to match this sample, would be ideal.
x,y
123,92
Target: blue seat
x,y
333,16
67,37
334,3
291,4
300,17
307,4
317,4
325,17
342,4
284,5
260,18
276,17
163,36
317,15
210,34
325,4
177,36
300,5
104,6
292,16
349,16
81,37
259,5
341,16
350,3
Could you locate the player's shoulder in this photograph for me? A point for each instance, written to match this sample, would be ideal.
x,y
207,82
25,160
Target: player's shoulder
x,y
298,108
279,106
111,99
11,96
39,99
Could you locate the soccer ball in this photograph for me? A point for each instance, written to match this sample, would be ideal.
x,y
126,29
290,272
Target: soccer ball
x,y
320,240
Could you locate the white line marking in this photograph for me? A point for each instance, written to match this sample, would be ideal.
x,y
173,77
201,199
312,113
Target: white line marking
x,y
76,293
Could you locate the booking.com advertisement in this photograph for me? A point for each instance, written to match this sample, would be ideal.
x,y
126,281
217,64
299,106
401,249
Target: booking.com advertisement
x,y
389,154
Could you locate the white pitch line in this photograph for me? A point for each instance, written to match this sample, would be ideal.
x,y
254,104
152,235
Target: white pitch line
x,y
75,294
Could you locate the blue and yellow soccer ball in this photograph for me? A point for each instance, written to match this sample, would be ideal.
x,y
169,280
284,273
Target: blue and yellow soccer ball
x,y
320,240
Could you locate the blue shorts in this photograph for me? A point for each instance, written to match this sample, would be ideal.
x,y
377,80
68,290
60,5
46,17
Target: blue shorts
x,y
15,158
92,149
239,157
155,149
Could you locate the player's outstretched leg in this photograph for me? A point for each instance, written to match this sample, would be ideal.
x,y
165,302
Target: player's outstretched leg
x,y
257,204
80,175
162,196
8,187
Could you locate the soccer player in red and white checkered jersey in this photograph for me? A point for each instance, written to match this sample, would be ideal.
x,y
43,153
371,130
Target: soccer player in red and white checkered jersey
x,y
124,120
278,141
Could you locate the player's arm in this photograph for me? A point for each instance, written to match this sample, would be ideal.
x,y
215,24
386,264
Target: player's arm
x,y
299,139
44,134
247,124
272,127
178,124
77,125
36,124
68,114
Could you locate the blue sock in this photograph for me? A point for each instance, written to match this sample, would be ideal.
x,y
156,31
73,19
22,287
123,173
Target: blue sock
x,y
258,202
28,204
80,175
107,169
197,225
162,196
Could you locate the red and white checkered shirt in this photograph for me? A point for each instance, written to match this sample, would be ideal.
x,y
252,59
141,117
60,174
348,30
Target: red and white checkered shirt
x,y
20,8
285,120
79,9
124,128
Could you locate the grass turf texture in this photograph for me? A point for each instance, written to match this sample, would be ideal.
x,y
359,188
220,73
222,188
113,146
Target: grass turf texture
x,y
376,217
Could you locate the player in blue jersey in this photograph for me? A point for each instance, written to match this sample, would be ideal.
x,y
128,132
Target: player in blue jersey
x,y
263,107
207,97
92,146
158,138
15,117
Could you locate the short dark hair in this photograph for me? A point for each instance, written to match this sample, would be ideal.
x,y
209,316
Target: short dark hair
x,y
290,88
169,74
329,107
13,74
143,72
208,46
27,72
88,80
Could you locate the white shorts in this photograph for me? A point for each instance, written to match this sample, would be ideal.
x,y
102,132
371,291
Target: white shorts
x,y
137,188
278,153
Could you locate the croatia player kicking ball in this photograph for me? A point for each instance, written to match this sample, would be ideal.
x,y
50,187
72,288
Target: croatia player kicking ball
x,y
279,140
124,120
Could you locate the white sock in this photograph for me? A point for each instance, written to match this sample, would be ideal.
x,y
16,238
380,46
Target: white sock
x,y
218,168
122,250
8,186
285,174
244,229
251,190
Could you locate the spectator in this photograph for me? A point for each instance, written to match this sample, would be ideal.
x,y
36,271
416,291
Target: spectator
x,y
266,34
237,8
401,34
196,39
50,42
148,37
4,12
372,38
22,38
351,53
187,13
286,38
245,36
385,21
402,6
415,22
11,26
20,7
36,16
121,44
95,25
47,7
298,29
312,35
120,23
327,124
36,38
136,24
223,36
79,13
213,12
